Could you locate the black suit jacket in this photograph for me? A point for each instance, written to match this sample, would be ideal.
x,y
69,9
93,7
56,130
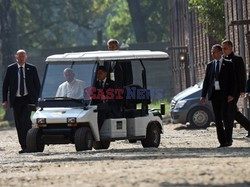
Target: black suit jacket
x,y
108,84
240,72
123,73
226,79
10,83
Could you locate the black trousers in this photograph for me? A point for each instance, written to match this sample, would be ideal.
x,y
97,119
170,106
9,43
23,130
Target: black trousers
x,y
223,118
107,110
22,118
239,117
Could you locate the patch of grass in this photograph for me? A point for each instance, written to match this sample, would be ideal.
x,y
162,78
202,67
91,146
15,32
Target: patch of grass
x,y
2,112
5,124
156,104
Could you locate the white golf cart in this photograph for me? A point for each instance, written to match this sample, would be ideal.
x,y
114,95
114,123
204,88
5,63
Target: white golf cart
x,y
63,120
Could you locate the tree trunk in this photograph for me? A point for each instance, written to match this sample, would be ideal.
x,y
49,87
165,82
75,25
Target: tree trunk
x,y
6,40
138,21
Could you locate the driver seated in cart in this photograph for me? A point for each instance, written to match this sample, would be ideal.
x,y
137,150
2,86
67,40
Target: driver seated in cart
x,y
107,108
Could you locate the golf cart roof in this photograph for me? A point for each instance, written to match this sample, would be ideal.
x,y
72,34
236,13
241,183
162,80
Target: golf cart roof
x,y
109,55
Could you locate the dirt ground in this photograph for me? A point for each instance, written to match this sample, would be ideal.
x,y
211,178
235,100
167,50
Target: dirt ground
x,y
185,157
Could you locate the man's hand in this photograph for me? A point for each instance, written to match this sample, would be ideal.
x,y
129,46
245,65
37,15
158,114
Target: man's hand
x,y
229,98
5,105
202,100
104,99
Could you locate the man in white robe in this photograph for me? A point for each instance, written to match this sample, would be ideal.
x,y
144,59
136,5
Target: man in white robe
x,y
72,88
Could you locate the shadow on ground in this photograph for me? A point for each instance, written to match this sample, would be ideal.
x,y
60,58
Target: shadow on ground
x,y
202,185
134,154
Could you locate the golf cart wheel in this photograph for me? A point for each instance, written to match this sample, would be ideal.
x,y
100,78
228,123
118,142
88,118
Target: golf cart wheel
x,y
83,139
33,140
153,137
199,117
101,144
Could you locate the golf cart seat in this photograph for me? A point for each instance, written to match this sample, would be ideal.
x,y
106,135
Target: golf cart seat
x,y
134,94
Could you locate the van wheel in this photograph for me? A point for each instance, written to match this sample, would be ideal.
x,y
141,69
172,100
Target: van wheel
x,y
83,139
101,144
153,137
199,117
34,140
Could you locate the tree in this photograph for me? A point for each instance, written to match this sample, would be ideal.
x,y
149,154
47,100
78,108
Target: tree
x,y
138,21
211,13
70,23
54,23
6,31
6,39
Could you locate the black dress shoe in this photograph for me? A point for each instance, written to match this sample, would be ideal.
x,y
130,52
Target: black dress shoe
x,y
221,145
23,151
228,144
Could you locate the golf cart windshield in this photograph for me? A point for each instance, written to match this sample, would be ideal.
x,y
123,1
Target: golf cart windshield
x,y
67,80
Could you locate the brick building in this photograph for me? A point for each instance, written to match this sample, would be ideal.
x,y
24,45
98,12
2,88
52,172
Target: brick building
x,y
237,15
188,35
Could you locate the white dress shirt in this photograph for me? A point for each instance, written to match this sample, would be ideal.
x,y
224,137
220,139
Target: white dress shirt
x,y
215,63
103,82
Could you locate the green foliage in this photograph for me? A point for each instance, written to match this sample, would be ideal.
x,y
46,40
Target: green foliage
x,y
5,124
157,21
1,113
53,23
118,23
69,23
102,6
212,13
2,122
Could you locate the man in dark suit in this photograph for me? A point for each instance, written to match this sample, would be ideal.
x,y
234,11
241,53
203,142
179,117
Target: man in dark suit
x,y
240,74
120,72
105,97
102,84
219,86
22,84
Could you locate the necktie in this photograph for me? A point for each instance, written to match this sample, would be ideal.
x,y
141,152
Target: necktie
x,y
101,84
113,63
21,82
217,70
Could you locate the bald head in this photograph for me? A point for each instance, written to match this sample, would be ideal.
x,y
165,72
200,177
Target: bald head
x,y
21,57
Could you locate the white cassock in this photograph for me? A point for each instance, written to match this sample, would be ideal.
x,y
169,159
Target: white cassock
x,y
74,89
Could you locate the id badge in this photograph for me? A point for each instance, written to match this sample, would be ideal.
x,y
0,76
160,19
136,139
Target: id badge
x,y
217,85
112,76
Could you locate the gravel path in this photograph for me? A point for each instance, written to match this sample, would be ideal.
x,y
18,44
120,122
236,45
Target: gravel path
x,y
185,157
